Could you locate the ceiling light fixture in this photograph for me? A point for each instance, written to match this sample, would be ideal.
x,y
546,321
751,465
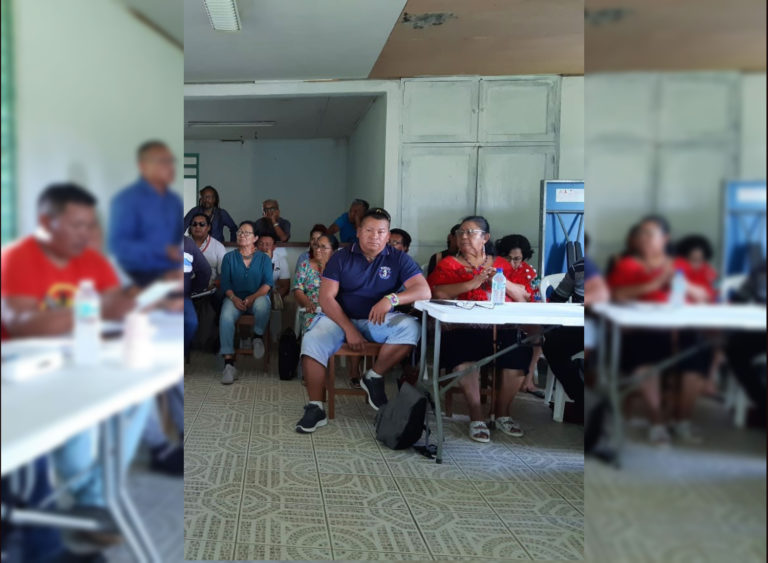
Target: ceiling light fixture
x,y
230,123
223,14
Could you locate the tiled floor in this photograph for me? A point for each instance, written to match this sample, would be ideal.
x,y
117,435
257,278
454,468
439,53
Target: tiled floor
x,y
255,489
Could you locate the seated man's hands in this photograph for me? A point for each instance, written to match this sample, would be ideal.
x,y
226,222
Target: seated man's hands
x,y
118,303
379,311
355,340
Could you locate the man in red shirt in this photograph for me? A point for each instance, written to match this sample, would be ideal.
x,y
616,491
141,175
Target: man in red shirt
x,y
40,275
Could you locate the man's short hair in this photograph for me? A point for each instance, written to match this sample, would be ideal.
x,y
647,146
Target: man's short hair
x,y
404,234
377,213
266,201
362,202
267,233
56,197
148,146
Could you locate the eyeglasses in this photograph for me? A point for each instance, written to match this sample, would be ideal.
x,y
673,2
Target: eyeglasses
x,y
469,232
515,259
395,243
244,233
268,209
196,224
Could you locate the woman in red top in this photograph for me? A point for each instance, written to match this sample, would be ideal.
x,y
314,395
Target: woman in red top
x,y
646,276
467,276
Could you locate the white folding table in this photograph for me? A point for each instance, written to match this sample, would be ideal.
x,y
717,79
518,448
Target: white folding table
x,y
662,317
41,414
555,314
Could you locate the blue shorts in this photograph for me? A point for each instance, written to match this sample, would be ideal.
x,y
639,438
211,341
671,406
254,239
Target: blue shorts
x,y
324,337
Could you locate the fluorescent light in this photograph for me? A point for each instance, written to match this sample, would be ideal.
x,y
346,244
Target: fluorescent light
x,y
230,123
223,14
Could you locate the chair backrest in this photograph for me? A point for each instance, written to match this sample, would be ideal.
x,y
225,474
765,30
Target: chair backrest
x,y
552,280
729,284
298,323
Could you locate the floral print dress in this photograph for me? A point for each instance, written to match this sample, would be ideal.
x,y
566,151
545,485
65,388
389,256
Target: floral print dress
x,y
308,281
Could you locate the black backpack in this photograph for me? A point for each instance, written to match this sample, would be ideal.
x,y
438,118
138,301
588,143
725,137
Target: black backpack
x,y
288,354
401,422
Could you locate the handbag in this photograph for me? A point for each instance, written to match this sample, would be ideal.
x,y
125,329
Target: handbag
x,y
277,300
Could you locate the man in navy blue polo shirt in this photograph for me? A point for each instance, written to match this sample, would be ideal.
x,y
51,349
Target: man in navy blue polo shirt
x,y
358,294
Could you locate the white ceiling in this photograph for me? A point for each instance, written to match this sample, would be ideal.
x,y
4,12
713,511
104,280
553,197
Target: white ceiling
x,y
310,117
288,40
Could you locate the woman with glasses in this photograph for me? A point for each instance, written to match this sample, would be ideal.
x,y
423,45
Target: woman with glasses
x,y
306,286
467,276
217,217
246,280
317,231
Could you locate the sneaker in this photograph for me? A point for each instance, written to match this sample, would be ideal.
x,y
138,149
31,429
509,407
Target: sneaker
x,y
658,435
313,418
509,427
684,432
374,388
258,347
354,383
230,374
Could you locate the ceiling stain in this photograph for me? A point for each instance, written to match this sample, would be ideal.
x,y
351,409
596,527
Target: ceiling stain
x,y
599,17
420,21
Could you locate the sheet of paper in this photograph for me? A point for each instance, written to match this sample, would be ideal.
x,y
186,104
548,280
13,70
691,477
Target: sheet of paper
x,y
751,195
565,195
156,292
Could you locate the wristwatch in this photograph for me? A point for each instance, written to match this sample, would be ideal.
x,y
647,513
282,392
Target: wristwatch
x,y
275,224
393,299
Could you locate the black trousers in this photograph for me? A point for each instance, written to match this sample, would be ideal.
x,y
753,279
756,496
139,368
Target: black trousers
x,y
559,346
741,350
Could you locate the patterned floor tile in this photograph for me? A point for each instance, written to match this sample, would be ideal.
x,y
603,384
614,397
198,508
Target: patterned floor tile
x,y
480,471
262,552
202,550
299,525
281,488
213,421
379,529
548,537
569,492
208,525
439,495
563,474
203,442
451,533
352,462
271,438
366,491
211,456
222,499
347,555
214,474
502,494
420,467
283,458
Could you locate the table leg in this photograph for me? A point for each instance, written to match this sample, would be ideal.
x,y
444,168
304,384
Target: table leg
x,y
125,501
111,472
423,357
436,392
618,423
602,353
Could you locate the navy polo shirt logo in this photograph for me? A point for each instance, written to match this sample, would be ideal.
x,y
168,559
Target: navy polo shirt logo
x,y
385,272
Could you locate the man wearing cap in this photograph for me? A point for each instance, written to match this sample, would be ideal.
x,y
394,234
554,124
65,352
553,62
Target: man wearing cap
x,y
358,294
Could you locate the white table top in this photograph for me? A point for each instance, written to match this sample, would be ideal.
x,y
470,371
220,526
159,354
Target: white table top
x,y
564,314
42,413
661,316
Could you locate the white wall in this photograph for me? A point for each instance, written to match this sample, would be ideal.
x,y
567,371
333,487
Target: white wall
x,y
571,128
365,163
753,132
307,176
92,83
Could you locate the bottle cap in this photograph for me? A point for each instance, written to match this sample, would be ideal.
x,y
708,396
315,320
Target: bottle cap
x,y
499,271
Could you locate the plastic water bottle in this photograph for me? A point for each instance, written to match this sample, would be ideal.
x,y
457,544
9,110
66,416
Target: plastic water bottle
x,y
87,342
677,293
498,287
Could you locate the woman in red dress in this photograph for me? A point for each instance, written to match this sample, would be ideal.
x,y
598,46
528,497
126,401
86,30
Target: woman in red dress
x,y
646,276
467,276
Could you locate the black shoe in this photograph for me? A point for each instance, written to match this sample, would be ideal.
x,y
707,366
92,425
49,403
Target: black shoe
x,y
374,388
168,459
313,417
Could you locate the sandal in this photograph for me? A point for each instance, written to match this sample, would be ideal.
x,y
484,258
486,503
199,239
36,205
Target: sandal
x,y
509,426
479,432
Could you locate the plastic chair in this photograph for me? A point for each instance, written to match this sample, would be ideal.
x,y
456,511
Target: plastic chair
x,y
552,280
560,396
729,284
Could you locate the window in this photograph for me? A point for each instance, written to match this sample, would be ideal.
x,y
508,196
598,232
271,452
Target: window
x,y
7,159
192,173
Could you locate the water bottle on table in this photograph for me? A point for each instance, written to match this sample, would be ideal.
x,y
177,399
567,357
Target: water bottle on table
x,y
498,287
677,292
87,341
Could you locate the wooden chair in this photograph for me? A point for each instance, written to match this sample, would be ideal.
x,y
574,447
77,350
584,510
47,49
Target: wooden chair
x,y
371,350
246,322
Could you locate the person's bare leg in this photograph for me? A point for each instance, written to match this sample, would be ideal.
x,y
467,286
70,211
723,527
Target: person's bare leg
x,y
353,366
314,375
470,386
690,389
511,382
529,384
389,356
650,389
